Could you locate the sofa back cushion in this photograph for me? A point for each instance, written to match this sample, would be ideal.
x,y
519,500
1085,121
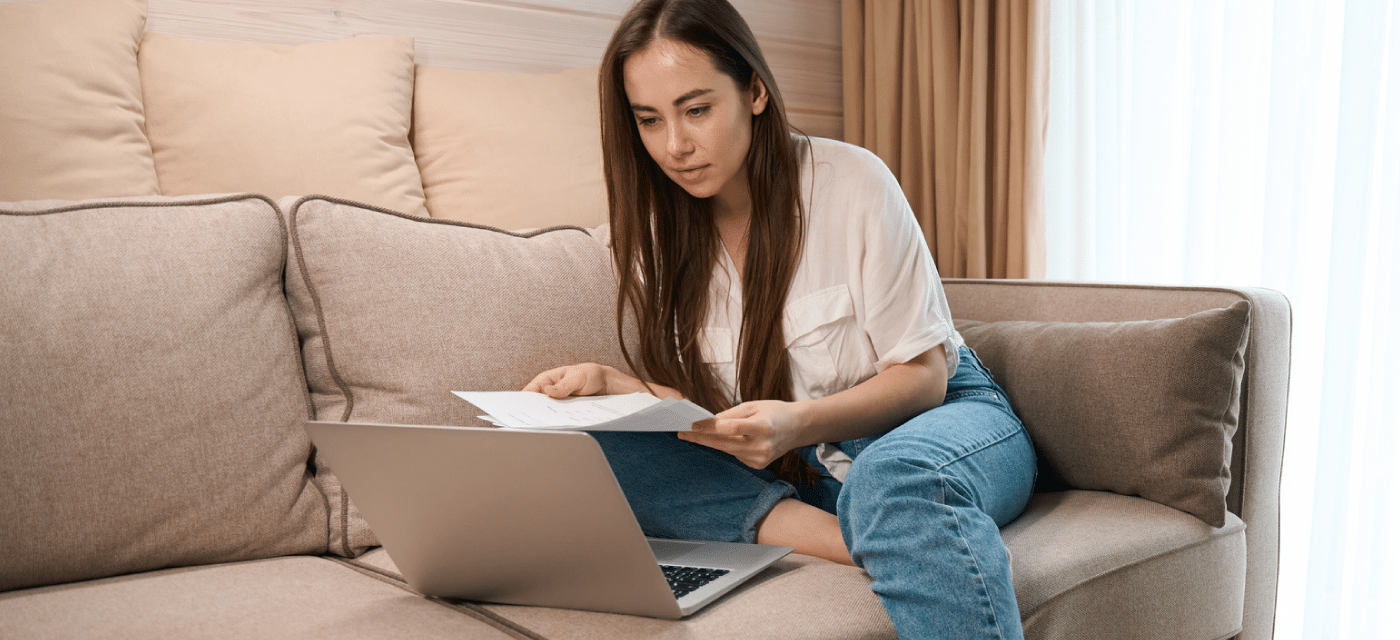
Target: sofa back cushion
x,y
153,393
395,313
325,117
484,138
1145,408
71,115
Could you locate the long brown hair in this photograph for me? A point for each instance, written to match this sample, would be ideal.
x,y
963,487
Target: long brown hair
x,y
664,241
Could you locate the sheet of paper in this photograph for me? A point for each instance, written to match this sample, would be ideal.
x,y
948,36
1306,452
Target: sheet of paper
x,y
628,412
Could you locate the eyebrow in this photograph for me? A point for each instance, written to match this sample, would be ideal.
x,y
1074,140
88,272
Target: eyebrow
x,y
689,95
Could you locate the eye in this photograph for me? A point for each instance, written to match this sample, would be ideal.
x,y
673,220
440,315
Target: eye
x,y
696,112
646,121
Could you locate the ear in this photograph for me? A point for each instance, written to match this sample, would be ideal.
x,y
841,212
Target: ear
x,y
759,94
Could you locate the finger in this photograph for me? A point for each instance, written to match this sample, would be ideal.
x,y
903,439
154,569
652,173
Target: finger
x,y
738,411
733,427
547,383
562,388
537,385
710,439
546,377
717,441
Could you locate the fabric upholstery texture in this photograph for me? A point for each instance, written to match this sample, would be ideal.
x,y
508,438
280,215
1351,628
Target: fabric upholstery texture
x,y
484,138
71,114
1145,408
153,394
327,117
293,597
394,313
1090,564
798,597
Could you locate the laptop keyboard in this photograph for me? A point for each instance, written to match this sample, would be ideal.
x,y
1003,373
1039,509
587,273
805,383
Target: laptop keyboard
x,y
687,579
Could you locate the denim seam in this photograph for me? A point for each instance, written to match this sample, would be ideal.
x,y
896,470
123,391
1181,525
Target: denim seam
x,y
980,448
959,395
983,592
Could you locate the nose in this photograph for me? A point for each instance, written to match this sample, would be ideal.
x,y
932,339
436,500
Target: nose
x,y
678,142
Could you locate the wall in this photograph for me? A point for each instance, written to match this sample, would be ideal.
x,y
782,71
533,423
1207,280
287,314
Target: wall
x,y
801,38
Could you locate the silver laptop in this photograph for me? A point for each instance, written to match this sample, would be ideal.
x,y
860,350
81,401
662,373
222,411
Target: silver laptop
x,y
522,517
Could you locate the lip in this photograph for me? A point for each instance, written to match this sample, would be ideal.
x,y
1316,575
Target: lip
x,y
690,176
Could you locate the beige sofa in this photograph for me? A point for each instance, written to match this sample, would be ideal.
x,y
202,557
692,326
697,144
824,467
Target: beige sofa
x,y
162,345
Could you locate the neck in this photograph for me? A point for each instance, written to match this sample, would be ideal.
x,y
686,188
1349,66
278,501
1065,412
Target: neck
x,y
732,203
734,234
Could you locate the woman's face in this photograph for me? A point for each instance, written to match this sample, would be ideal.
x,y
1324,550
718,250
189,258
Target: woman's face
x,y
694,120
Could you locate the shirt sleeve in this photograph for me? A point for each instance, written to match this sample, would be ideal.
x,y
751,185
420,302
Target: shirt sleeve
x,y
906,311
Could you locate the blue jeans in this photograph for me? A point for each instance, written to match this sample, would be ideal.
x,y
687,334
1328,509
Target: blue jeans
x,y
920,510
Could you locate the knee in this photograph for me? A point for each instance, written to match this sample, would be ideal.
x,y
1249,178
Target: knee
x,y
889,478
897,489
995,481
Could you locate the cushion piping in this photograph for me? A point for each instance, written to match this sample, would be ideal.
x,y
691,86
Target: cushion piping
x,y
197,202
320,317
166,202
316,297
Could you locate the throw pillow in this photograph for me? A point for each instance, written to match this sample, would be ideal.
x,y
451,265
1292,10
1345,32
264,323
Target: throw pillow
x,y
395,313
1142,408
71,115
327,117
153,398
483,138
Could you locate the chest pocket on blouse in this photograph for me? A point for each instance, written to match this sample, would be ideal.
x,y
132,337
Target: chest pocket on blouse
x,y
818,326
716,345
717,350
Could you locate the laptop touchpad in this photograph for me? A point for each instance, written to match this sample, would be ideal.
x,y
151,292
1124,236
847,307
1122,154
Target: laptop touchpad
x,y
669,550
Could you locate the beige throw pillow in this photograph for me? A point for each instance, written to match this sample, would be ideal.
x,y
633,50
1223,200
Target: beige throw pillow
x,y
71,115
1142,408
151,399
395,313
484,139
329,118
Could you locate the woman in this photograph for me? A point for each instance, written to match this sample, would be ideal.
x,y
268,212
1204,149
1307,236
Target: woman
x,y
783,283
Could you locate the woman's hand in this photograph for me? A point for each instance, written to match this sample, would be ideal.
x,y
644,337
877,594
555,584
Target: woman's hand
x,y
757,433
587,379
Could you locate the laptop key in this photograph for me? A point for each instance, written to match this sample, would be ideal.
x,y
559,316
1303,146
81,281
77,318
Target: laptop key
x,y
684,580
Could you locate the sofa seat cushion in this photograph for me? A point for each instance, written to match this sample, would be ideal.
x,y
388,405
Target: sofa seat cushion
x,y
1089,564
290,597
798,597
152,400
1086,564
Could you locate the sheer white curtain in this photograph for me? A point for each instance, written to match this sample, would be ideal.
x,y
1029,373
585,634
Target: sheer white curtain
x,y
1257,142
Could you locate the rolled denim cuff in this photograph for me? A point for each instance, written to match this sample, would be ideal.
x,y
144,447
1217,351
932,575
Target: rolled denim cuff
x,y
772,493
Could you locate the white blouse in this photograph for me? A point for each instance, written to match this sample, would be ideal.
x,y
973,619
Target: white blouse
x,y
866,294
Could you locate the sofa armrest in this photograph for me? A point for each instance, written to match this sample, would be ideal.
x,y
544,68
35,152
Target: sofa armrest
x,y
1257,457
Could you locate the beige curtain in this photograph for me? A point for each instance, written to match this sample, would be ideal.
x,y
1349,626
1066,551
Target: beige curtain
x,y
951,94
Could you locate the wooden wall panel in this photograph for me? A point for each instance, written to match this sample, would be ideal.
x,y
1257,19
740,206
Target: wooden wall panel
x,y
801,38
